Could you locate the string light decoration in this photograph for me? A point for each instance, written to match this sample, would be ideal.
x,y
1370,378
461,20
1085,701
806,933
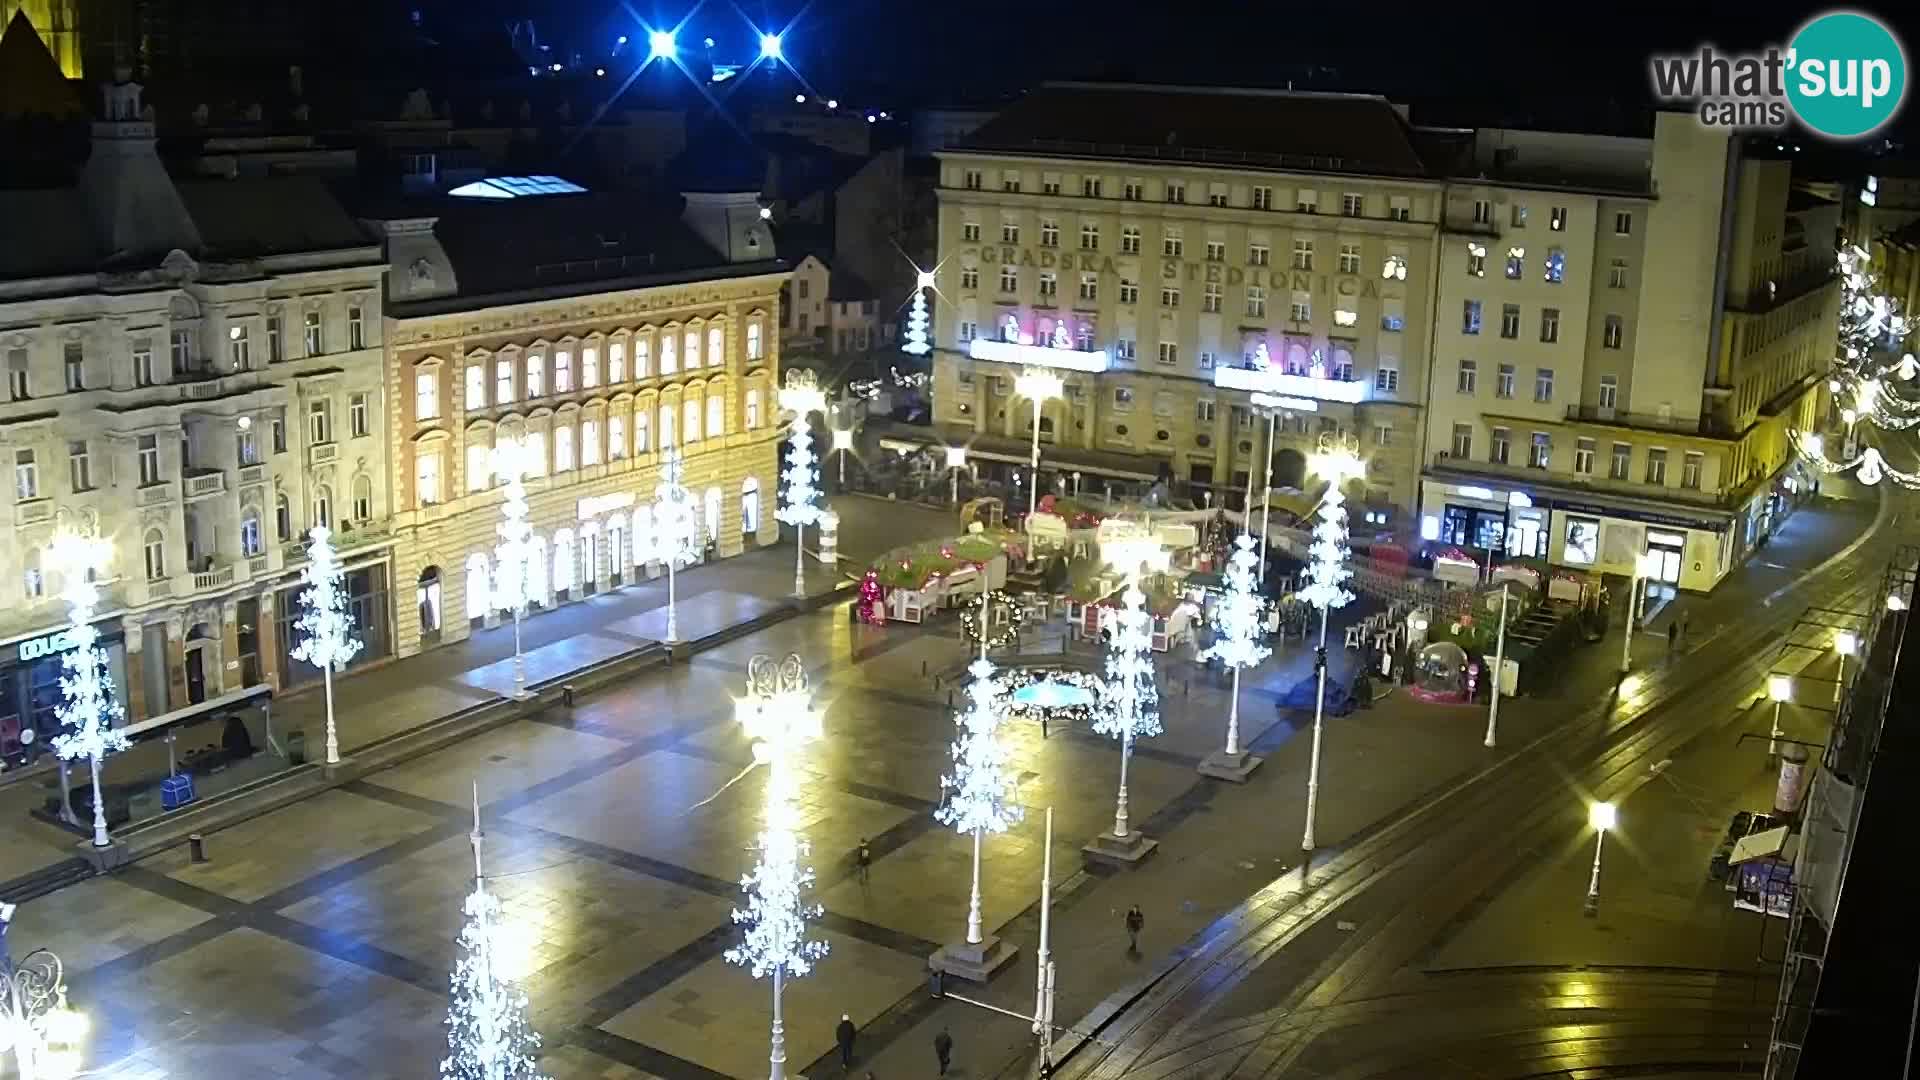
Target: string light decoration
x,y
777,715
980,790
1013,680
488,1037
87,711
325,626
800,507
1337,462
916,343
1869,466
676,529
871,605
1237,617
1133,710
1011,619
510,575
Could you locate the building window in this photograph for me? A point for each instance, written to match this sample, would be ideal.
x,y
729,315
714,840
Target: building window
x,y
1543,385
1470,317
1609,391
479,466
154,547
75,367
1556,266
356,327
1349,258
1386,377
1176,191
590,366
315,338
1463,441
1169,353
1130,240
1172,244
276,339
667,418
1383,434
426,476
1467,381
643,358
476,386
1477,260
1049,233
1129,292
1399,208
562,447
1583,456
363,498
1169,297
1503,381
358,413
1392,320
319,422
1611,332
1502,443
180,346
1210,298
617,355
143,364
1010,182
79,466
1203,411
563,364
967,331
1516,263
969,277
1549,325
1089,187
1353,204
589,442
1482,211
426,396
1009,232
1302,254
1519,216
1306,201
616,438
1133,191
1302,308
1622,223
503,382
17,385
251,543
1690,468
1622,461
971,180
1617,274
716,415
1049,284
1217,195
1089,287
1009,279
1123,350
640,421
249,448
1557,220
1216,251
670,353
1657,466
282,518
1540,452
148,456
690,420
969,232
1260,198
1510,321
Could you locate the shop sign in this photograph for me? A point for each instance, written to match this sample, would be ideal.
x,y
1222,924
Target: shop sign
x,y
595,505
1647,516
46,645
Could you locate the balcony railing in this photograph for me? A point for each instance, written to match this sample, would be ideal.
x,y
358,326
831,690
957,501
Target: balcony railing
x,y
321,453
1705,424
153,494
32,513
204,482
1527,474
218,578
253,474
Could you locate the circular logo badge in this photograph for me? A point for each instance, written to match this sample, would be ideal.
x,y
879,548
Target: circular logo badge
x,y
1847,76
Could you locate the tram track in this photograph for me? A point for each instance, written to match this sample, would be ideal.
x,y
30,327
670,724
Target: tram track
x,y
1483,822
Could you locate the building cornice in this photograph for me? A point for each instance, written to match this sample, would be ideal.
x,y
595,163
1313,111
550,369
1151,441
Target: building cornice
x,y
410,327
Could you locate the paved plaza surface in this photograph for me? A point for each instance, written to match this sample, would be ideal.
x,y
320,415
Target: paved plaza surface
x,y
317,940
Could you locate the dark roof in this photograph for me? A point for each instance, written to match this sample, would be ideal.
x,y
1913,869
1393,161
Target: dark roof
x,y
846,285
1352,133
799,239
568,243
48,231
718,159
30,79
279,215
1800,199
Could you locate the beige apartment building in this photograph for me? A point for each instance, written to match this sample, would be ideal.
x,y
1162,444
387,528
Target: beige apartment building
x,y
1175,252
1627,330
603,329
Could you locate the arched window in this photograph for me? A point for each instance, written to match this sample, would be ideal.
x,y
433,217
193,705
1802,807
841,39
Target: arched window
x,y
155,546
536,375
562,447
669,353
716,346
716,414
666,426
282,518
363,498
616,436
323,506
479,585
32,579
692,343
251,542
191,523
640,427
642,535
712,500
587,569
589,367
753,410
690,409
616,363
562,372
753,340
589,442
1342,364
642,358
426,593
563,560
1296,359
750,505
536,444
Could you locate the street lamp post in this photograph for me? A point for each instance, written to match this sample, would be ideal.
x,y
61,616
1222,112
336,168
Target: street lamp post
x,y
1642,568
956,460
1337,462
843,445
1135,698
35,1021
801,396
516,541
780,719
675,528
1039,386
1601,816
1846,643
1499,665
1273,407
1780,690
87,711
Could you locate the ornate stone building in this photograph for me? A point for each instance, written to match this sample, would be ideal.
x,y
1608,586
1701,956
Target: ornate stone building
x,y
601,329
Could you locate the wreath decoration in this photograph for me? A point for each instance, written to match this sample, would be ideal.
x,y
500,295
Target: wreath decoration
x,y
1008,633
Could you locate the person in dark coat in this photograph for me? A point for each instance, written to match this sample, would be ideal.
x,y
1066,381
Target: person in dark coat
x,y
1135,920
943,1049
844,1036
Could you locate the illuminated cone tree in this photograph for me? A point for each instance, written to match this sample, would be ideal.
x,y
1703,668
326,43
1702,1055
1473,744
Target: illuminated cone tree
x,y
87,710
1241,644
326,625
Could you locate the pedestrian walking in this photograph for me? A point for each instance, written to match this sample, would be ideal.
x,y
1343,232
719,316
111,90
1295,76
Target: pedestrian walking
x,y
1686,627
844,1036
862,861
1673,636
1135,920
943,1049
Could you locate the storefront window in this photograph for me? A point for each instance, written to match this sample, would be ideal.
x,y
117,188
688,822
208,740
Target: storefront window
x,y
367,602
1583,542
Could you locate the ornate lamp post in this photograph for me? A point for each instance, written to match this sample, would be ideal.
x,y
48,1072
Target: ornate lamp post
x,y
676,530
1039,386
778,715
1338,462
87,709
516,541
44,1034
1601,816
801,396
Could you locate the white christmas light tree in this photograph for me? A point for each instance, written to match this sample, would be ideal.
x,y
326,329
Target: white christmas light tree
x,y
488,1037
1133,700
676,528
1241,644
800,506
87,709
980,791
1327,572
325,626
778,716
916,344
511,576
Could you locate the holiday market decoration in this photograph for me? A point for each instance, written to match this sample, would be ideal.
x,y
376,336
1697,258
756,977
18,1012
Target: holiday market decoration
x,y
1014,705
1870,467
488,1037
1327,572
511,574
1240,645
916,344
777,715
996,608
799,509
676,528
980,800
325,626
87,711
1132,712
872,604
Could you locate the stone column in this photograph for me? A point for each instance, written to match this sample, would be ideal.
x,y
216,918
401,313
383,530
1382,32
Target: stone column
x,y
134,694
229,649
176,658
602,556
268,636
